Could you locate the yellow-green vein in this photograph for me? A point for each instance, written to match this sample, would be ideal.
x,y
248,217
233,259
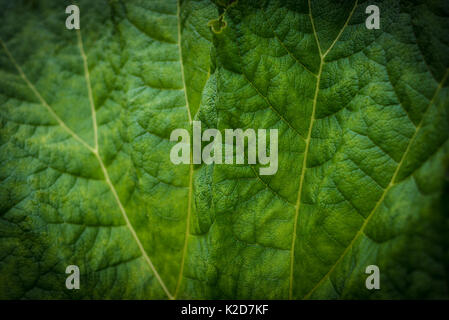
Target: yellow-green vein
x,y
390,185
309,134
94,151
189,200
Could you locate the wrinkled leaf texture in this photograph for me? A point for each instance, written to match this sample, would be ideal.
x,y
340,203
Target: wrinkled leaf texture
x,y
86,177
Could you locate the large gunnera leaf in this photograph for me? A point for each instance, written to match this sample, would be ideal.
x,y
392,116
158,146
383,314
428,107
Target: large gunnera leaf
x,y
86,177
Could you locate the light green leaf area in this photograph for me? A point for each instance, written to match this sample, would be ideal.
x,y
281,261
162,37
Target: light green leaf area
x,y
86,177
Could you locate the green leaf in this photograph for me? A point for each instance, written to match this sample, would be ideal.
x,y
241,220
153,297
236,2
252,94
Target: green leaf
x,y
86,177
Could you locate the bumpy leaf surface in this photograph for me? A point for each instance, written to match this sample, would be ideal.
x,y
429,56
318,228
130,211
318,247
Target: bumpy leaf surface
x,y
86,178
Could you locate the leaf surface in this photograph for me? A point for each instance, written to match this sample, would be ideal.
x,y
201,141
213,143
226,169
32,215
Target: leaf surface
x,y
86,177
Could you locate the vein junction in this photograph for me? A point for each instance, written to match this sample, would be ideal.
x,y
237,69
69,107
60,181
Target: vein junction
x,y
94,150
309,133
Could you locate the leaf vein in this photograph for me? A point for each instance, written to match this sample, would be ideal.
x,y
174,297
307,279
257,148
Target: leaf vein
x,y
381,199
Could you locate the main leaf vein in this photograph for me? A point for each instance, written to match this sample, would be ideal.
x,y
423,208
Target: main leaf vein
x,y
94,150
